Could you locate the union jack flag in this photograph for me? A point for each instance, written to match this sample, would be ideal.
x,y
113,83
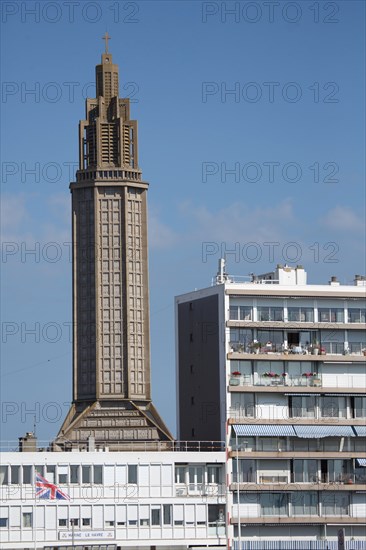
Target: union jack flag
x,y
47,490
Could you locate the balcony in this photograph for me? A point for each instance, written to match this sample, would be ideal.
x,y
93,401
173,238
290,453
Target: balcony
x,y
246,355
307,352
288,481
273,379
279,519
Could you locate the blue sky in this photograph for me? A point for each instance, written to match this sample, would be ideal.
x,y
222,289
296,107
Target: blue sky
x,y
292,130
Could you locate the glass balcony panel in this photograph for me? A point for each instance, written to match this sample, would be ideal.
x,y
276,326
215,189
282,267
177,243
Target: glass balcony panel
x,y
274,504
245,313
335,504
360,407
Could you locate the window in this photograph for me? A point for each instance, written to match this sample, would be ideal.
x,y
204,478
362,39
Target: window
x,y
216,514
74,474
335,504
240,337
74,522
3,522
40,470
240,313
14,474
359,407
98,475
195,475
356,340
51,473
27,519
155,516
167,514
332,341
270,313
273,504
85,474
304,504
300,314
4,475
62,522
27,474
132,473
178,514
245,313
213,474
302,407
333,407
305,471
109,523
86,521
180,474
234,313
247,471
356,315
273,339
331,315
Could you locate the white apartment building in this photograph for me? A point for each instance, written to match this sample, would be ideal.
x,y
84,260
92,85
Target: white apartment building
x,y
137,499
276,367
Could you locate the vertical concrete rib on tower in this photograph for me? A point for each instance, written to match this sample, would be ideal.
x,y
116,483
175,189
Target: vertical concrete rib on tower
x,y
111,338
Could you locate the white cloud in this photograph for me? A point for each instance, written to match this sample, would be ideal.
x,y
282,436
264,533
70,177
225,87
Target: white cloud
x,y
13,213
343,218
160,235
240,222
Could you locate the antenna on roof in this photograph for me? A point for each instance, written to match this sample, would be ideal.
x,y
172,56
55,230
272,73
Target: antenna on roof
x,y
221,275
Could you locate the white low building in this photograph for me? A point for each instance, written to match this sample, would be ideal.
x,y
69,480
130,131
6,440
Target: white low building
x,y
277,367
116,500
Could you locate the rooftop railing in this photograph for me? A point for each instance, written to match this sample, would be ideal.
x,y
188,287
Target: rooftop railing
x,y
122,446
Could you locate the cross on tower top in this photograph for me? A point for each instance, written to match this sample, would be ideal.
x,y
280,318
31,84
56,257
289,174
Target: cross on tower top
x,y
106,37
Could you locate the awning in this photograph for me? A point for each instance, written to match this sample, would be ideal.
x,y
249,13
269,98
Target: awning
x,y
323,431
268,430
360,430
349,394
361,461
304,394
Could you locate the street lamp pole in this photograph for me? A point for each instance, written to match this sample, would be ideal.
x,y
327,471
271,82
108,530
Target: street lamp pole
x,y
238,488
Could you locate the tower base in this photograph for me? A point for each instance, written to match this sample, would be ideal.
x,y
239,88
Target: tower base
x,y
116,425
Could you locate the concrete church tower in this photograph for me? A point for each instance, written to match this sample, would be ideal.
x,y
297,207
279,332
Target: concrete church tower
x,y
111,339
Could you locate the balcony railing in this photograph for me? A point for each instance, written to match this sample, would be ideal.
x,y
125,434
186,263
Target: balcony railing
x,y
331,348
133,446
238,412
274,379
258,476
293,445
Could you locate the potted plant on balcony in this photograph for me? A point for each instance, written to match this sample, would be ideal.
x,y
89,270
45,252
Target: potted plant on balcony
x,y
364,351
315,349
235,378
323,351
255,346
